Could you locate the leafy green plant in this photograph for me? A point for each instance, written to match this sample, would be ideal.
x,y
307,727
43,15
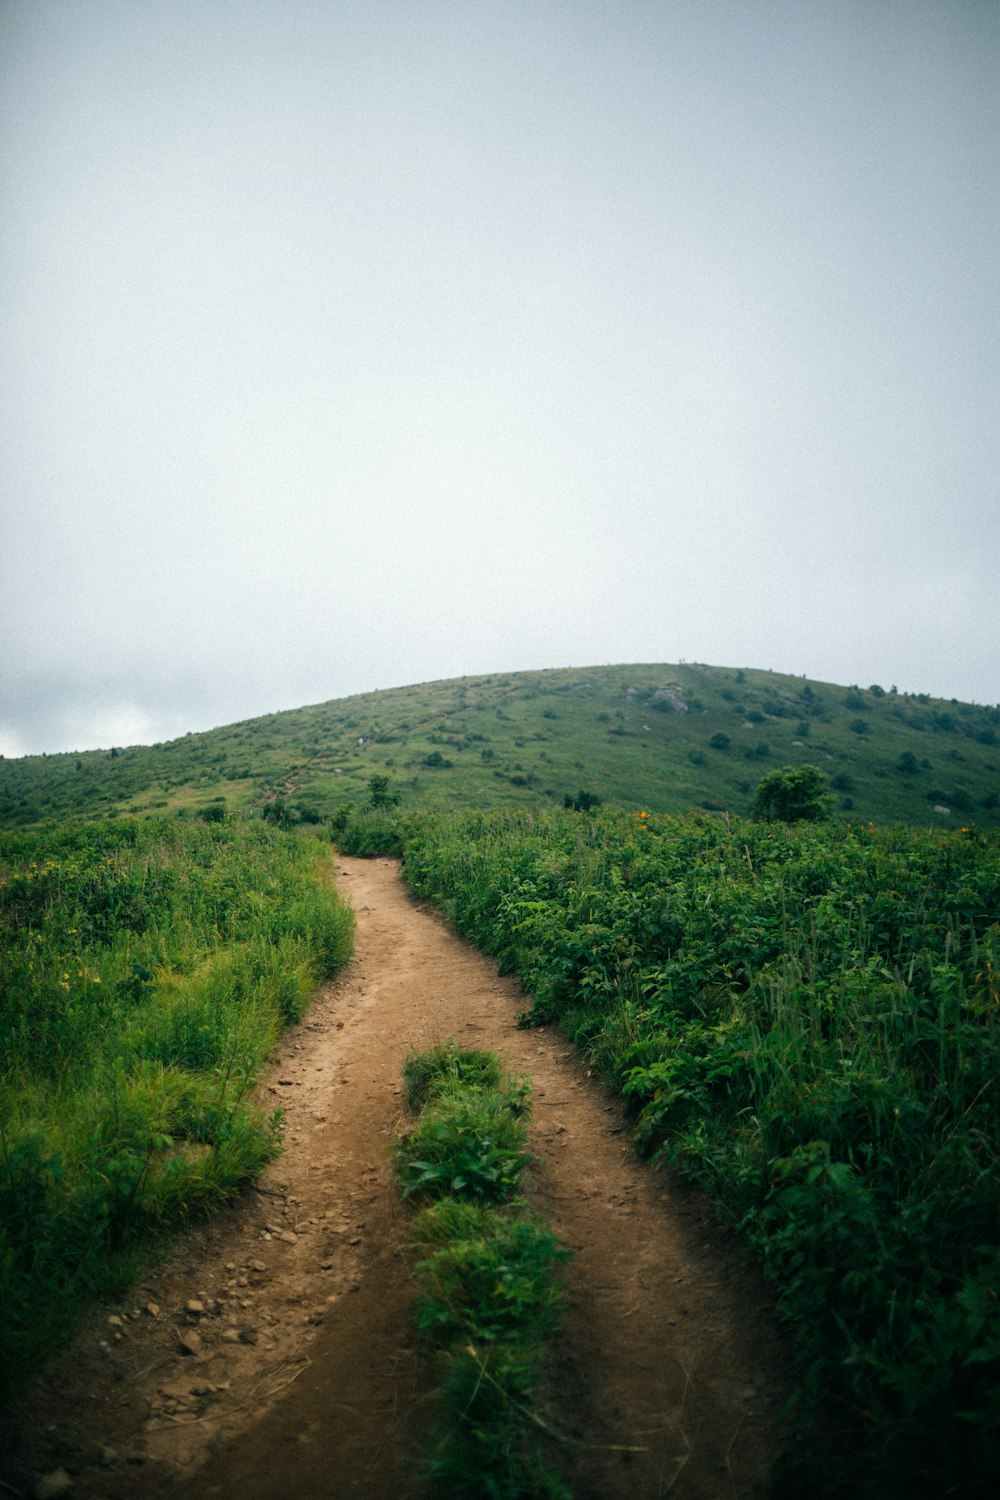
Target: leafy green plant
x,y
380,792
792,794
468,1143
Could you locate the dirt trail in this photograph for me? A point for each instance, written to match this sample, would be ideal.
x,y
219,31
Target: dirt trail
x,y
306,1378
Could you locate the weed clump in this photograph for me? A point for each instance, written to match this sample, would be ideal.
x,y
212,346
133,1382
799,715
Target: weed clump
x,y
486,1274
425,1073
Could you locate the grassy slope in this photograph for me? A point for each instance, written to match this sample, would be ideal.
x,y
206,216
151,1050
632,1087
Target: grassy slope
x,y
621,732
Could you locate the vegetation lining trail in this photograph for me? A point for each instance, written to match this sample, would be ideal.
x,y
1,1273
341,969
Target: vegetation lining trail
x,y
670,1344
146,971
806,1019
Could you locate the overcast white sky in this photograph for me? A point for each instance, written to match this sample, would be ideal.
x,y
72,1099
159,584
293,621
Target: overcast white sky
x,y
346,345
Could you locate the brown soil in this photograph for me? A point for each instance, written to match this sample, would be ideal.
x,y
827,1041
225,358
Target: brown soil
x,y
307,1379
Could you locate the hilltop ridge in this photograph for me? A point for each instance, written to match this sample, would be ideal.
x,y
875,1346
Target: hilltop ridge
x,y
667,737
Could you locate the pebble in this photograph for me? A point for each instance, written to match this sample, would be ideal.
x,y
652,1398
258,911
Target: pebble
x,y
190,1342
51,1486
153,1308
194,1305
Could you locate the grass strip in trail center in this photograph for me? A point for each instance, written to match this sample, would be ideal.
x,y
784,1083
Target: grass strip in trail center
x,y
488,1298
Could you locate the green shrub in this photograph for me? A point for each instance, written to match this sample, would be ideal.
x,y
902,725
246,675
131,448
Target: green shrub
x,y
792,794
372,834
469,1144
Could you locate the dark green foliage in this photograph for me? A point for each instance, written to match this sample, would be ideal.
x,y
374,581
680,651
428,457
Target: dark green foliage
x,y
791,795
380,793
806,1018
582,802
278,813
307,814
370,834
340,819
469,1143
486,1274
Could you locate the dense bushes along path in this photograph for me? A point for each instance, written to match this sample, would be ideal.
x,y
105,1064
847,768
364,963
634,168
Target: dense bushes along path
x,y
668,1366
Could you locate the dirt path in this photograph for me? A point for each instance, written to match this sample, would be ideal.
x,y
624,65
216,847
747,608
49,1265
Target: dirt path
x,y
305,1377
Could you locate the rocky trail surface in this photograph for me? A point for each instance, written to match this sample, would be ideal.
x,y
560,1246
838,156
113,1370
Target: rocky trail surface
x,y
273,1354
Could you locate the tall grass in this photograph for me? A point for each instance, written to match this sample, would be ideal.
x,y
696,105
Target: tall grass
x,y
146,969
808,1021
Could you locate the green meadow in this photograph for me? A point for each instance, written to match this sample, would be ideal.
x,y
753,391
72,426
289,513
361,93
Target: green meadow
x,y
670,738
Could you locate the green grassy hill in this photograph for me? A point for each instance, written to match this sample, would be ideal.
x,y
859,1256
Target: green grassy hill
x,y
666,738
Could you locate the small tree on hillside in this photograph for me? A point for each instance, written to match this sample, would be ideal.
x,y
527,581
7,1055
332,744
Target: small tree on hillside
x,y
791,794
380,793
582,802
